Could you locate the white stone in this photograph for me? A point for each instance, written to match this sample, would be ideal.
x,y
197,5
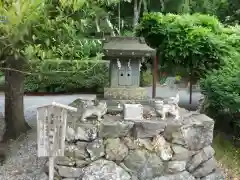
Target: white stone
x,y
176,166
133,111
70,134
105,170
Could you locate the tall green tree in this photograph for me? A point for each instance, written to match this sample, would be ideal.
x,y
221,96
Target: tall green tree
x,y
20,17
192,42
29,32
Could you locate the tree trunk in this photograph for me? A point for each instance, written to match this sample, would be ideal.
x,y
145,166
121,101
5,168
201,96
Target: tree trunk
x,y
190,89
145,6
14,107
110,25
191,82
162,5
136,10
97,24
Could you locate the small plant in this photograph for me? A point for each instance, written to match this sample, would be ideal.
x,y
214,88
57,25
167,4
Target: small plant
x,y
146,78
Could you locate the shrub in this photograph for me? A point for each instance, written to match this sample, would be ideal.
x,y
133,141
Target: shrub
x,y
66,67
222,91
146,78
228,120
67,76
190,41
204,48
222,88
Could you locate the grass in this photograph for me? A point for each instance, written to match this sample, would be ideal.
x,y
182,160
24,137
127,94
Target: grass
x,y
227,155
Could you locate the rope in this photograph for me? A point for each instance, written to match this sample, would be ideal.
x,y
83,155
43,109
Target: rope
x,y
53,72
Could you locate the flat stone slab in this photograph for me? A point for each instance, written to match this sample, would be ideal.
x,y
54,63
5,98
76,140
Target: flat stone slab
x,y
125,93
114,126
148,128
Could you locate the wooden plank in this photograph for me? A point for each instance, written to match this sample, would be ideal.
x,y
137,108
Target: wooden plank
x,y
40,131
51,126
64,106
51,168
52,122
46,130
51,131
42,121
60,130
63,130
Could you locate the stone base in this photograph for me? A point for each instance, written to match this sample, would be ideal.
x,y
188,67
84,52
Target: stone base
x,y
135,93
147,149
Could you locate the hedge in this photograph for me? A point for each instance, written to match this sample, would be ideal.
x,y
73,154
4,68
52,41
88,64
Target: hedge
x,y
206,49
222,91
66,76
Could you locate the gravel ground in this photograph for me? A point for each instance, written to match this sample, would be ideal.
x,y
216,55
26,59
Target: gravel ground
x,y
22,162
228,173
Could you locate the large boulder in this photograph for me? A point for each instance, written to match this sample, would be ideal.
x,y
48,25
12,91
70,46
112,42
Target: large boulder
x,y
178,176
115,149
215,175
148,128
69,172
96,149
114,127
204,155
205,168
143,164
105,170
194,132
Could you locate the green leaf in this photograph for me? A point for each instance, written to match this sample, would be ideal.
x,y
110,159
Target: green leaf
x,y
47,42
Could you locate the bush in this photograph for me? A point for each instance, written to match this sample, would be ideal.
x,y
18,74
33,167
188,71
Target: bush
x,y
207,50
222,88
146,78
222,91
67,76
69,66
190,41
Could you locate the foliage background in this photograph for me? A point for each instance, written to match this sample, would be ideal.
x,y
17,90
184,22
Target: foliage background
x,y
209,50
56,39
65,32
65,56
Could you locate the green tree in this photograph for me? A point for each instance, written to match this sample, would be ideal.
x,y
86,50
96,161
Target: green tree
x,y
193,42
20,16
222,87
62,45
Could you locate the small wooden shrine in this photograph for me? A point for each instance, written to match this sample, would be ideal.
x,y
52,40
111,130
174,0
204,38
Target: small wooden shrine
x,y
126,55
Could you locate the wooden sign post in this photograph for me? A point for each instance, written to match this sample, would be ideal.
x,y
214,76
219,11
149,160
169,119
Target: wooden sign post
x,y
51,126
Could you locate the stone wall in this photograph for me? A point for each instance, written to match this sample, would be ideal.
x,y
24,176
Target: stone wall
x,y
125,93
149,149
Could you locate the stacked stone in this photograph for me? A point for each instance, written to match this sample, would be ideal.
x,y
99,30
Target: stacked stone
x,y
118,149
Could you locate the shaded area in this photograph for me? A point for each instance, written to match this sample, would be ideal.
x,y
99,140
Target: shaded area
x,y
32,102
166,92
227,155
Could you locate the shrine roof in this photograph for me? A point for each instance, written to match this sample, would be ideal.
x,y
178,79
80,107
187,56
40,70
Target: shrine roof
x,y
127,46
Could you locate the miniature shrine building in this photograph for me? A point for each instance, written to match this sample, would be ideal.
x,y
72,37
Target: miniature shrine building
x,y
125,55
